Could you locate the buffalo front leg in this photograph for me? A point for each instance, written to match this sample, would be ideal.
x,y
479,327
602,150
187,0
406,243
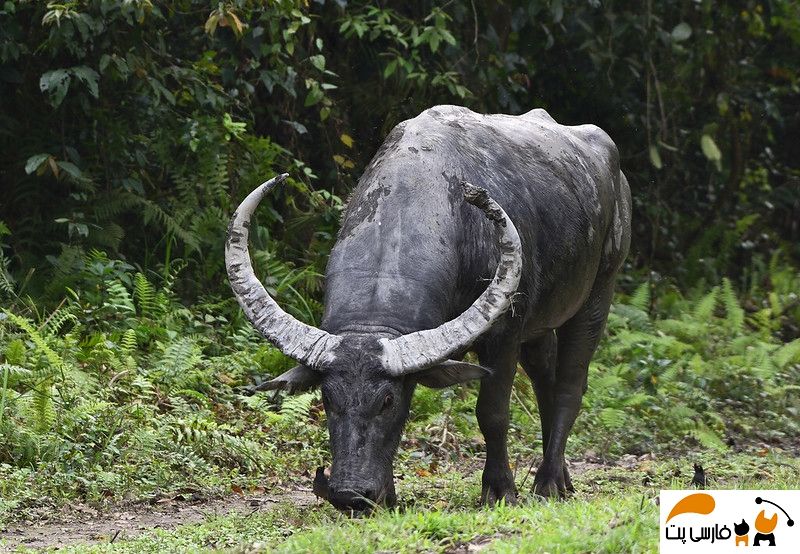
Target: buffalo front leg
x,y
492,412
577,340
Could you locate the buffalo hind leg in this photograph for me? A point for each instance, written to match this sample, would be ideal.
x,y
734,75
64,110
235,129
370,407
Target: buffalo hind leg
x,y
538,359
577,340
492,412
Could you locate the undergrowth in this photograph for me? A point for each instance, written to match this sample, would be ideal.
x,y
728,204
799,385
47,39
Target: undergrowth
x,y
123,392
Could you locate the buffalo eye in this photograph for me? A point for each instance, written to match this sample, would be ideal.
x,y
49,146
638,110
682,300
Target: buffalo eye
x,y
388,401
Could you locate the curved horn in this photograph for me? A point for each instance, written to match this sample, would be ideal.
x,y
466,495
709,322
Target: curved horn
x,y
306,344
422,349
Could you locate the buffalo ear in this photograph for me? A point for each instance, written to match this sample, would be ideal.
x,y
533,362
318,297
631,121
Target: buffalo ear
x,y
450,373
297,379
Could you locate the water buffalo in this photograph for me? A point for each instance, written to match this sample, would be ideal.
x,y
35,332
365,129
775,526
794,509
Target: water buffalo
x,y
406,296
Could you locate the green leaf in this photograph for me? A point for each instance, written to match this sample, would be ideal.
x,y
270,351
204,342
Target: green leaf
x,y
105,59
655,157
390,68
434,42
314,96
161,90
35,162
56,84
681,32
88,77
297,126
71,169
711,150
318,61
448,36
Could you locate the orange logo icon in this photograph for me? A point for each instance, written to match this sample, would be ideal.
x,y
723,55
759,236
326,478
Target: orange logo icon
x,y
698,503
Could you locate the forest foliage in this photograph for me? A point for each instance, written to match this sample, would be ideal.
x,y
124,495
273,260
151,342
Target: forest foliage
x,y
129,129
133,126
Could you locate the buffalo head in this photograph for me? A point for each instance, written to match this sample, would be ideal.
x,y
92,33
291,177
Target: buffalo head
x,y
367,380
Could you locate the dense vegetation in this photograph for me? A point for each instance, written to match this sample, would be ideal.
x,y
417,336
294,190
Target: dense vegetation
x,y
130,128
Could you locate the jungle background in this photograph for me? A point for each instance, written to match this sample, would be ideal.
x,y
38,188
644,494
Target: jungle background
x,y
130,129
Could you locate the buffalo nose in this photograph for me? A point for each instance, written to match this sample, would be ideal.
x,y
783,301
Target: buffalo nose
x,y
358,501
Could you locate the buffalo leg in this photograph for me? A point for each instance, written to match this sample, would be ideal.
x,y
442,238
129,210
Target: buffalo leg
x,y
577,340
538,359
492,412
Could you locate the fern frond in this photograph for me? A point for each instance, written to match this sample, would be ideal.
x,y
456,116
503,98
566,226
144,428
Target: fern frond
x,y
704,310
708,438
144,294
119,298
641,297
108,206
128,341
38,408
153,213
109,235
57,320
634,318
38,340
180,357
612,418
7,284
788,354
734,314
296,409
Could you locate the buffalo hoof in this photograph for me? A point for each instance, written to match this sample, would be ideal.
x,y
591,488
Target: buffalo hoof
x,y
497,488
552,484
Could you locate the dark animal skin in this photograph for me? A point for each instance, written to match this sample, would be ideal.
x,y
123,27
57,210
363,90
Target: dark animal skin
x,y
411,254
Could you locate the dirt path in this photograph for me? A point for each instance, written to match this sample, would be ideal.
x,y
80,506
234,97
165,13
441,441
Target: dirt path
x,y
77,524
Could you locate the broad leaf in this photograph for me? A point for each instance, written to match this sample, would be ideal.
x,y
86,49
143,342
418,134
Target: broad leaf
x,y
89,77
681,32
34,162
56,84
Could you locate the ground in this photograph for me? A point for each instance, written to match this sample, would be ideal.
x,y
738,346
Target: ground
x,y
614,509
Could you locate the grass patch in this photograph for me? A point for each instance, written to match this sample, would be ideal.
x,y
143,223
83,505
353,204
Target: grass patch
x,y
613,510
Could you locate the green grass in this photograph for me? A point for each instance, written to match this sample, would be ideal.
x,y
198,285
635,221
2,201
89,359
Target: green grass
x,y
613,510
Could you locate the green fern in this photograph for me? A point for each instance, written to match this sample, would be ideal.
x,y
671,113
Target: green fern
x,y
708,438
641,297
55,361
56,321
109,235
144,294
7,285
704,310
788,354
613,418
296,409
128,342
173,224
734,314
118,298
